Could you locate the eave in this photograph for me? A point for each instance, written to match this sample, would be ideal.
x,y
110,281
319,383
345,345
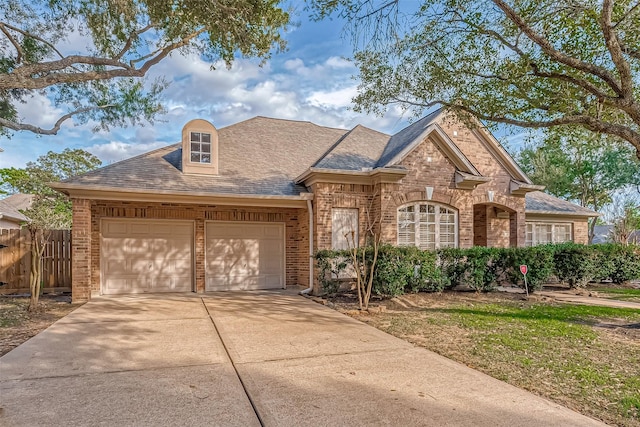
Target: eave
x,y
518,188
467,181
551,215
336,176
137,195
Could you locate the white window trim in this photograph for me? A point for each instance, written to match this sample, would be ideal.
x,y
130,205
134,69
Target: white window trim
x,y
200,152
416,212
341,242
554,235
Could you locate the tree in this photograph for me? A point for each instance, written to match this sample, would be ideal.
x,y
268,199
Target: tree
x,y
364,259
575,164
105,82
529,63
45,215
50,209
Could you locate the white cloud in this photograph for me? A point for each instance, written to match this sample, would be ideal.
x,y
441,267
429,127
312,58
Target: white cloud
x,y
115,151
340,98
38,110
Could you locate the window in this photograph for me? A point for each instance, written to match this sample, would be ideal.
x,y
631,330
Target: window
x,y
539,233
427,226
344,228
200,147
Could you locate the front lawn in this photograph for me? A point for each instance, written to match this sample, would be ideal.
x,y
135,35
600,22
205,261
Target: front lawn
x,y
622,294
584,357
18,325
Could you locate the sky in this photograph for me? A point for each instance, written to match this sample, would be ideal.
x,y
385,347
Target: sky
x,y
312,81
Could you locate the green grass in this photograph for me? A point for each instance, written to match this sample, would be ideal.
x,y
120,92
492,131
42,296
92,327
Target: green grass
x,y
551,349
624,294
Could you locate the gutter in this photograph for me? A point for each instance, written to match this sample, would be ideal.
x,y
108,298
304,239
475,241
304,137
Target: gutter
x,y
310,288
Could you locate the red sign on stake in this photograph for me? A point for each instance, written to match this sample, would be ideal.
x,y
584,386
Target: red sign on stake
x,y
523,269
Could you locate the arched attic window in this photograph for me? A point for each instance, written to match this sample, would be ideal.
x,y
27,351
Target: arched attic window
x,y
199,148
427,225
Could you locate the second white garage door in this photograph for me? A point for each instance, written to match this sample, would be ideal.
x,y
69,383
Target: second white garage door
x,y
244,256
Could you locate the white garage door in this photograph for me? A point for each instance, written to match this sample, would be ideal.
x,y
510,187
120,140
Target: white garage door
x,y
146,256
241,255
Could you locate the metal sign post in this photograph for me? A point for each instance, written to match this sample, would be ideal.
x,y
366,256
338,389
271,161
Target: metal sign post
x,y
523,270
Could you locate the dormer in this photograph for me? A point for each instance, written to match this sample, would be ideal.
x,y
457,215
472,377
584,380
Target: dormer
x,y
199,148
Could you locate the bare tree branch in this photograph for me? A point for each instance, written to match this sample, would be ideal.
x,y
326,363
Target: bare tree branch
x,y
56,127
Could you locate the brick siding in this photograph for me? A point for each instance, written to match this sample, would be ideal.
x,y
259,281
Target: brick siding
x,y
87,216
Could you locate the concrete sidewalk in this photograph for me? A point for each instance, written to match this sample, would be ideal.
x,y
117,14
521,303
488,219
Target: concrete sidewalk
x,y
569,297
249,358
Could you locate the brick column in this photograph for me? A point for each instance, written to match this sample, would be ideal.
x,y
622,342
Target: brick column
x,y
81,251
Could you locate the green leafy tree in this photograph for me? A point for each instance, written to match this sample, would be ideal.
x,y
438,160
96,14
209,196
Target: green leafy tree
x,y
529,63
578,165
50,209
125,39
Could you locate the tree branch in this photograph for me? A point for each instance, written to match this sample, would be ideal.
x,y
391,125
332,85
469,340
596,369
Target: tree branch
x,y
33,36
14,42
556,55
56,127
611,39
23,77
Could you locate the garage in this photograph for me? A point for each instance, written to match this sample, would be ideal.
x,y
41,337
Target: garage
x,y
139,256
244,256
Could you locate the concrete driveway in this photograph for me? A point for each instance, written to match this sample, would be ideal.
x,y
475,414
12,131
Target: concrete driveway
x,y
246,359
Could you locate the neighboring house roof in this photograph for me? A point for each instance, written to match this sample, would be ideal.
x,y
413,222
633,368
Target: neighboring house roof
x,y
538,202
11,206
602,234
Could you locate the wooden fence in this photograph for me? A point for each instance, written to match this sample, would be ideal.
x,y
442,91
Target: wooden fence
x,y
15,261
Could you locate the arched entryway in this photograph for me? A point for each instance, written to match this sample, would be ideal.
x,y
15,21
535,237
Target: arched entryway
x,y
494,225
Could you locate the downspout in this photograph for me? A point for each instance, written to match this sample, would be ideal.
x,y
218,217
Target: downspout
x,y
310,288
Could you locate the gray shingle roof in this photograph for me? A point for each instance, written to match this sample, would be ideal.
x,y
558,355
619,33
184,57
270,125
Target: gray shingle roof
x,y
360,148
543,203
405,137
257,156
12,205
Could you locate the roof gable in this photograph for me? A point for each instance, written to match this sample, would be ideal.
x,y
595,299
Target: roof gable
x,y
358,149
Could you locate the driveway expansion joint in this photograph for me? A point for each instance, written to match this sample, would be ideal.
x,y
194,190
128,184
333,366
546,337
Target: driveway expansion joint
x,y
244,387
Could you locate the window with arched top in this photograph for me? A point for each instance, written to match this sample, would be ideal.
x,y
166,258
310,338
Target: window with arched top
x,y
428,226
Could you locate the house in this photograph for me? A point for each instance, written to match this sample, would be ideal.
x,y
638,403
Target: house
x,y
245,206
10,207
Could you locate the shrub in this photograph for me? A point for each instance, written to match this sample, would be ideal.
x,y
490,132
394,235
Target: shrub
x,y
477,267
402,269
331,264
539,262
574,264
617,262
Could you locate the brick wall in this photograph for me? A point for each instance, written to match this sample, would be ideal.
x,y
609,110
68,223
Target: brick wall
x,y
581,231
86,235
81,245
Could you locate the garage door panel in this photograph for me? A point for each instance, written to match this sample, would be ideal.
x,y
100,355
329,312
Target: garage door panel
x,y
243,256
151,256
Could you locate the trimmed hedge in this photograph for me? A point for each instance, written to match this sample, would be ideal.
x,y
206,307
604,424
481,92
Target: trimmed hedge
x,y
408,269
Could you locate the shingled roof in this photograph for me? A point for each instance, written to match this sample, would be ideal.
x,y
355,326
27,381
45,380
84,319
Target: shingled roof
x,y
264,156
538,202
11,206
257,156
